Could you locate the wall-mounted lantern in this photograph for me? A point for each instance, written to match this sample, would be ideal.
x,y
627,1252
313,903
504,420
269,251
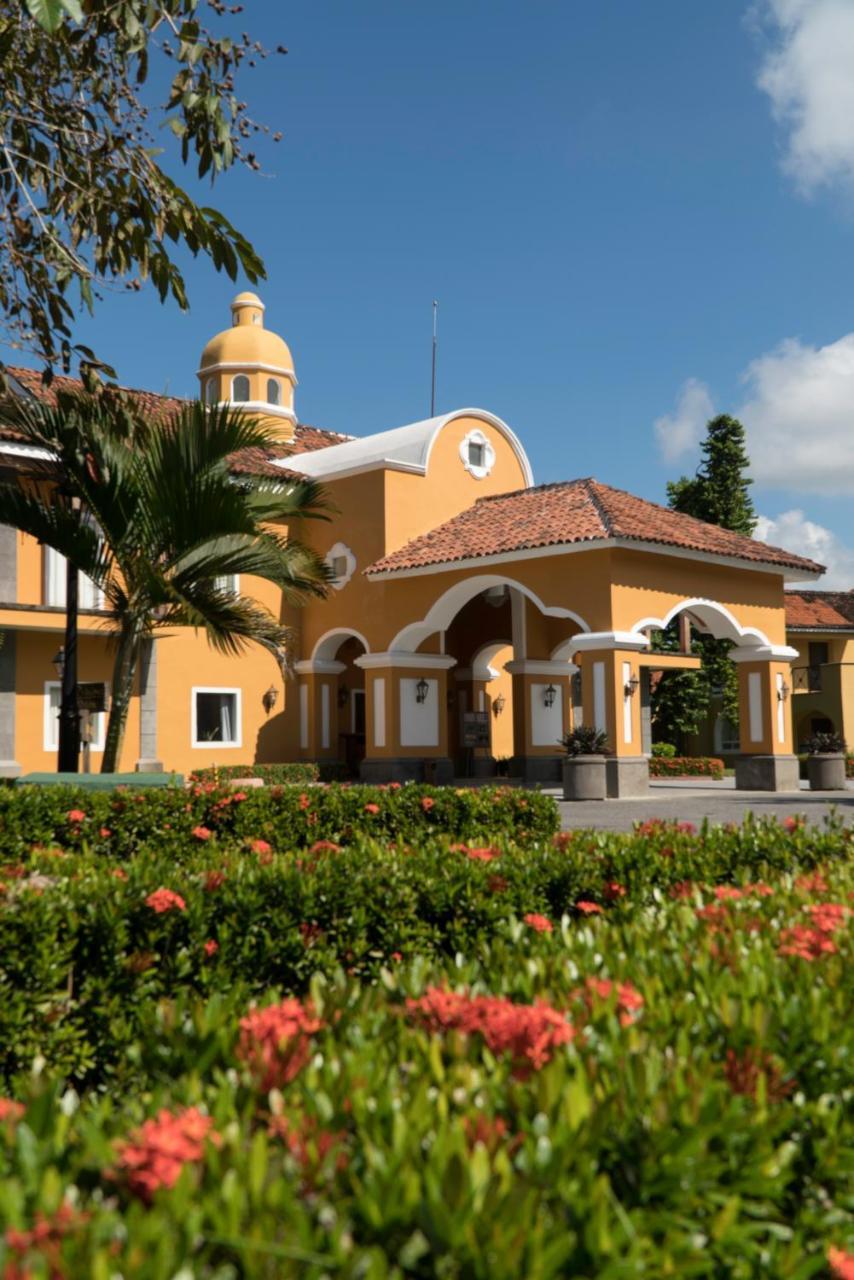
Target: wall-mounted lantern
x,y
783,692
421,690
343,695
270,698
549,695
498,704
630,688
58,661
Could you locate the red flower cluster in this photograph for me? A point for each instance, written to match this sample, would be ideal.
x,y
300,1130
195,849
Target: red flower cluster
x,y
813,883
481,855
155,1153
628,999
260,846
841,1263
542,924
372,808
811,942
614,890
310,932
211,947
76,815
325,846
44,1239
588,908
10,1110
527,1033
427,803
165,900
793,824
490,1132
304,801
743,1070
309,1145
275,1042
202,833
119,873
214,880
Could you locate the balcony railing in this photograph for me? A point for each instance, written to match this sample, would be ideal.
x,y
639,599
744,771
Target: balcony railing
x,y
806,679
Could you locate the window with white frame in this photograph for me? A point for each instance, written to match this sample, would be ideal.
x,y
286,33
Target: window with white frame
x,y
274,391
52,699
216,717
240,388
55,568
477,454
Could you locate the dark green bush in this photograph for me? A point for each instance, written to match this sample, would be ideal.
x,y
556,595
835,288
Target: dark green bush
x,y
279,774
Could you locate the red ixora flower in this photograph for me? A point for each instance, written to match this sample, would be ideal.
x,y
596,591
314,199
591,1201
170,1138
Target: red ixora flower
x,y
841,1263
154,1154
627,998
214,880
527,1033
44,1239
10,1110
614,890
372,808
792,825
325,846
202,833
427,803
76,815
105,833
260,846
304,801
119,873
742,1071
541,924
165,900
211,947
275,1042
588,908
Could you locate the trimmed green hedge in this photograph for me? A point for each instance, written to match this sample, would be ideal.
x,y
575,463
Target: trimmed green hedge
x,y
659,1089
86,950
277,774
123,823
686,767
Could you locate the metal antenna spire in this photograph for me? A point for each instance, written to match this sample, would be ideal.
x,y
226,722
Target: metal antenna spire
x,y
435,345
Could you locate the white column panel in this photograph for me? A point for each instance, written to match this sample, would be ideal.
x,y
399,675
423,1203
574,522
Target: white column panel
x,y
781,710
627,704
754,702
419,721
303,716
546,722
379,711
324,715
600,719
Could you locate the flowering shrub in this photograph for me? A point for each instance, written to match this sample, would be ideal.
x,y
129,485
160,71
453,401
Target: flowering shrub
x,y
686,767
275,1043
155,1153
299,771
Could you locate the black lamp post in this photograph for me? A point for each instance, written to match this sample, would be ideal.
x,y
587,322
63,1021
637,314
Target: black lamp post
x,y
68,756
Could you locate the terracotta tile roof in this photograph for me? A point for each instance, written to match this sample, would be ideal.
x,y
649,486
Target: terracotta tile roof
x,y
570,512
254,461
820,610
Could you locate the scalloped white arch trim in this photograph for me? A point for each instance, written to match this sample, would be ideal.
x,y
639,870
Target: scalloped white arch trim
x,y
446,608
331,641
716,617
494,421
481,663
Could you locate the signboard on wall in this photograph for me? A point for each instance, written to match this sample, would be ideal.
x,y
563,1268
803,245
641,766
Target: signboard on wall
x,y
476,729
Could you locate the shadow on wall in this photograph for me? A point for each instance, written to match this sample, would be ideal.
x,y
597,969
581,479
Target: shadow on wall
x,y
271,742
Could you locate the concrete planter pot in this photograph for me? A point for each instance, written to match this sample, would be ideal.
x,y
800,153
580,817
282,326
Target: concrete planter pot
x,y
826,772
584,778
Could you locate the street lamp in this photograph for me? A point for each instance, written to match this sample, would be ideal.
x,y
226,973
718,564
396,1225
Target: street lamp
x,y
58,661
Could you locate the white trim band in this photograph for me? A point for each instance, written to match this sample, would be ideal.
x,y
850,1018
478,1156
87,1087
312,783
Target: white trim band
x,y
414,661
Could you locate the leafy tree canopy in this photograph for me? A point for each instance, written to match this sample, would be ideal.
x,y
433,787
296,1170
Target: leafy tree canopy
x,y
85,197
719,492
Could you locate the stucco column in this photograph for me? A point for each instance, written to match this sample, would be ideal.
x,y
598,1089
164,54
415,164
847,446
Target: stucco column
x,y
766,761
541,693
611,703
149,761
9,766
406,721
318,708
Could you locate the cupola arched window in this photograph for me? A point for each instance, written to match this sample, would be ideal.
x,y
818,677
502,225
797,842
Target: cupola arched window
x,y
240,388
274,391
210,391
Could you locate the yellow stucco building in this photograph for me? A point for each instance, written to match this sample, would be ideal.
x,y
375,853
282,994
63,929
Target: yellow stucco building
x,y
473,616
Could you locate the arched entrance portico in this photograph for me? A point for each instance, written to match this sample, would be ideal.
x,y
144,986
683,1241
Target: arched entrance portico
x,y
332,701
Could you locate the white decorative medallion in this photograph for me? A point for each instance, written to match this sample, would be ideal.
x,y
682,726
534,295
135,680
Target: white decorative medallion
x,y
342,562
477,453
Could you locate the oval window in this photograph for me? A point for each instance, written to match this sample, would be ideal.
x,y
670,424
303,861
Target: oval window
x,y
274,391
240,388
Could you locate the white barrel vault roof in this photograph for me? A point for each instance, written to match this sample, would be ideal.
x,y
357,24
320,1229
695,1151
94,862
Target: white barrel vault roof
x,y
401,449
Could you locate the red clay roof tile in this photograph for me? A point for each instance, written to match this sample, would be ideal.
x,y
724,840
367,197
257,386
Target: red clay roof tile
x,y
571,512
820,610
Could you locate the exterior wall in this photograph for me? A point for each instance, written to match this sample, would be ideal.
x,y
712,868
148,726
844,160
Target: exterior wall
x,y
834,701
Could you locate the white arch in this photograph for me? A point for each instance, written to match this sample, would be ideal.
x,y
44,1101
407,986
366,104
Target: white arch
x,y
331,641
481,663
494,421
445,609
715,617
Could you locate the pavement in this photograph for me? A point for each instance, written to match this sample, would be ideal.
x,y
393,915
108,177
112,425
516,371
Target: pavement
x,y
717,802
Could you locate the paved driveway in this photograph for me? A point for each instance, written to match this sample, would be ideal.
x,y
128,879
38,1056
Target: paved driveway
x,y
719,802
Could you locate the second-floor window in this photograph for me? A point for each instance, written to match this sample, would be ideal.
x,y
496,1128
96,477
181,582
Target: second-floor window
x,y
240,388
54,593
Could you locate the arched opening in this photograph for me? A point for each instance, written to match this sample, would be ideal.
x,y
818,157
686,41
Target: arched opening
x,y
211,391
240,389
274,391
342,708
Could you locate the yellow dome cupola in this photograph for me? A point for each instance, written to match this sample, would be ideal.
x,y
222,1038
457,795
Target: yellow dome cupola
x,y
249,366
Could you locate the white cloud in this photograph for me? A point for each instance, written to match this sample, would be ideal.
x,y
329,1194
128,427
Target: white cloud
x,y
799,416
792,530
808,73
680,432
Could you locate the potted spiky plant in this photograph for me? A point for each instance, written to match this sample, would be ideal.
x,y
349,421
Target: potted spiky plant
x,y
584,767
826,762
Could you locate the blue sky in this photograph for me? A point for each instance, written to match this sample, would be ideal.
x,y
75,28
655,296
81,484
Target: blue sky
x,y
624,210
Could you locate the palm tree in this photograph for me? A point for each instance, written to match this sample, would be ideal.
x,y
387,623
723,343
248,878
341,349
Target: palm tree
x,y
162,517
